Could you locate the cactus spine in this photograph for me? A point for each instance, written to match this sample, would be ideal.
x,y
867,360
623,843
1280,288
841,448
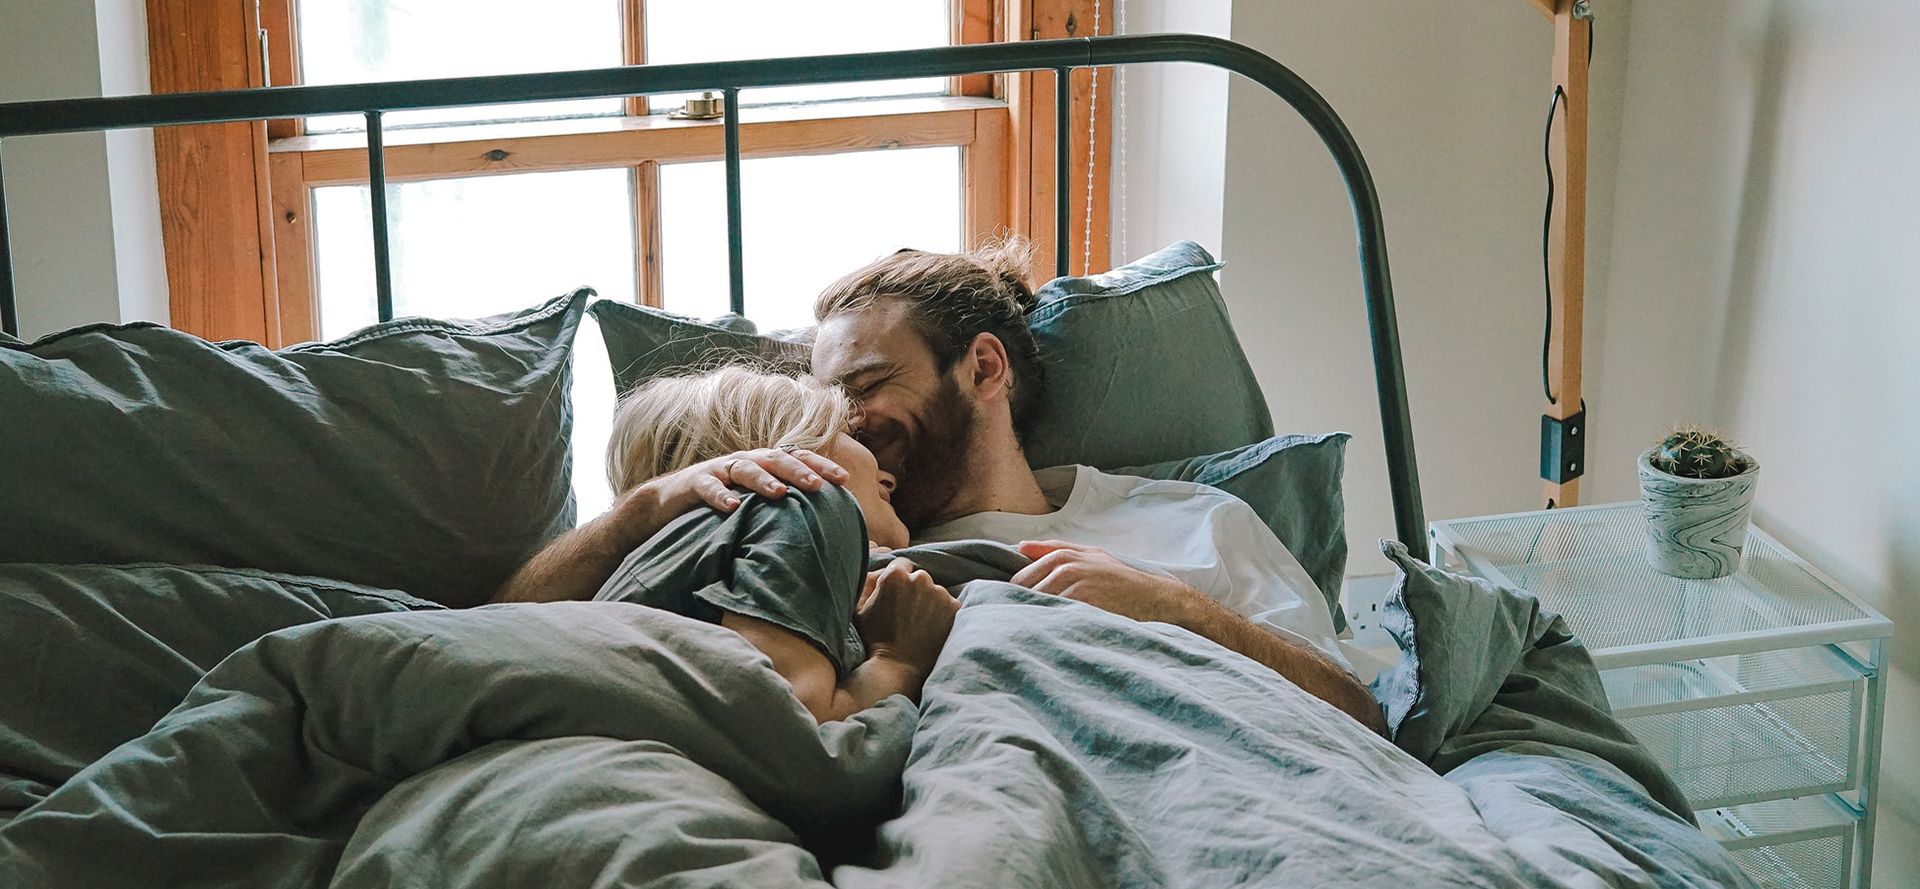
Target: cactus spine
x,y
1692,452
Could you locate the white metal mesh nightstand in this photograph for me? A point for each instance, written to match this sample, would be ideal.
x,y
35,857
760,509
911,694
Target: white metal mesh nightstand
x,y
1762,693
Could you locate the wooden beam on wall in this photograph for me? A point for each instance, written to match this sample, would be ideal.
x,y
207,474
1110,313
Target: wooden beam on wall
x,y
1567,228
213,178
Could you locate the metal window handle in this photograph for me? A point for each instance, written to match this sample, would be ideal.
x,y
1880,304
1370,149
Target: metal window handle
x,y
706,106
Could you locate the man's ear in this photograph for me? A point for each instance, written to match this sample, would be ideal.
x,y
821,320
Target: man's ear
x,y
984,370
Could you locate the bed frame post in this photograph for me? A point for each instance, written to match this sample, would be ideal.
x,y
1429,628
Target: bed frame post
x,y
736,265
377,187
1062,121
1389,375
9,313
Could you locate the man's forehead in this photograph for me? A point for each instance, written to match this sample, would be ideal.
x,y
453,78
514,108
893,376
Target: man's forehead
x,y
853,343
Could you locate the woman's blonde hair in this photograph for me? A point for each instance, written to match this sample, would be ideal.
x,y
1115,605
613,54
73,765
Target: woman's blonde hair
x,y
670,423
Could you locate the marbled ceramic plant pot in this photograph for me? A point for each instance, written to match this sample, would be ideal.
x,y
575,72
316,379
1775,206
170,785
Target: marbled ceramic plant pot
x,y
1696,526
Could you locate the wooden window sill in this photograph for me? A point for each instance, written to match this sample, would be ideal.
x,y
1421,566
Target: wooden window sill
x,y
578,143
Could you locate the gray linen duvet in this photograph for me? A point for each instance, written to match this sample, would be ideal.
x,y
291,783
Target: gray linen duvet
x,y
610,744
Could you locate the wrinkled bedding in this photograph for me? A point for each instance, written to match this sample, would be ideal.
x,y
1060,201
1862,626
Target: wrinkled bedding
x,y
608,744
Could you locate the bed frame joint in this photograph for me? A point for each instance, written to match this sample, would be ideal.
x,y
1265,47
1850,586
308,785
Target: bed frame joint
x,y
1563,447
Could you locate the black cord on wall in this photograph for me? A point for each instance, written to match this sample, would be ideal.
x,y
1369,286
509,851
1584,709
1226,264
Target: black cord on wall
x,y
1546,246
1546,229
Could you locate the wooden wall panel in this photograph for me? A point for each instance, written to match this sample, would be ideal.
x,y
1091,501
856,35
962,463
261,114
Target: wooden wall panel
x,y
1031,138
1033,141
213,178
986,177
292,223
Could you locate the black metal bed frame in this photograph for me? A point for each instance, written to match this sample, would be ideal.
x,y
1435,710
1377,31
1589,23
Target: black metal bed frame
x,y
1060,56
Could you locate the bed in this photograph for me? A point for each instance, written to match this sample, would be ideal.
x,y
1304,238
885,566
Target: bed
x,y
236,590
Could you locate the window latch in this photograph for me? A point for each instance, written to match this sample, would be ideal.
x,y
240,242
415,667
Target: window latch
x,y
706,106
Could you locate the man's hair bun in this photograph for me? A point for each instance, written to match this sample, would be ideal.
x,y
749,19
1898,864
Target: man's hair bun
x,y
1010,260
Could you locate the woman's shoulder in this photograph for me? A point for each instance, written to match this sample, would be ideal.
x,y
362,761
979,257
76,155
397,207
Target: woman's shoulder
x,y
829,513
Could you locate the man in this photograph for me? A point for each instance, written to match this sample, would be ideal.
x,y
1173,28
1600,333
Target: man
x,y
936,352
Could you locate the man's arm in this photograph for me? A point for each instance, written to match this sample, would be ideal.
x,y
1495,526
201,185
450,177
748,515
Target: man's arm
x,y
575,564
1091,575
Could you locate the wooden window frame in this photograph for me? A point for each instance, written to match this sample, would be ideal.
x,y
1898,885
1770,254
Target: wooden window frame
x,y
1003,125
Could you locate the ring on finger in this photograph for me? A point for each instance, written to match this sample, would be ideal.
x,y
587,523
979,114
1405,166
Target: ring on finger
x,y
789,448
729,467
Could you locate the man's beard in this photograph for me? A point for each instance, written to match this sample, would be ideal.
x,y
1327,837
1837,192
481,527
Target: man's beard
x,y
934,466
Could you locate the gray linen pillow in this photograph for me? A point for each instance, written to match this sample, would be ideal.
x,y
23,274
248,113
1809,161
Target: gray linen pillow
x,y
645,342
1142,363
112,648
1142,366
1293,483
428,456
1484,668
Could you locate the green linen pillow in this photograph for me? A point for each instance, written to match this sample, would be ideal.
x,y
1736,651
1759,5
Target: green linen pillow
x,y
112,648
1293,483
421,455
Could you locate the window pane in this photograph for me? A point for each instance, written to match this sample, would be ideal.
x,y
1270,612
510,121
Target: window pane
x,y
356,41
465,248
806,221
592,422
713,30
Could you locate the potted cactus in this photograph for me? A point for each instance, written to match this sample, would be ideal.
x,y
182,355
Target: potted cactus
x,y
1696,492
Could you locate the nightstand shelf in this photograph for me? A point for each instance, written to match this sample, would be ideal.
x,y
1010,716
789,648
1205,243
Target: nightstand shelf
x,y
1761,692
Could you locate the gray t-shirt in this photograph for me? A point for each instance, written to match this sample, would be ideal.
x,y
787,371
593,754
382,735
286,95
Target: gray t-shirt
x,y
797,561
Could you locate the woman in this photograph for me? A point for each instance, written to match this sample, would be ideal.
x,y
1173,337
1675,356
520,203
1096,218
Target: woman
x,y
788,574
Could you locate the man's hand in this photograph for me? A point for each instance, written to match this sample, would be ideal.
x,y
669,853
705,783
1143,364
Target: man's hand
x,y
1094,576
578,562
904,616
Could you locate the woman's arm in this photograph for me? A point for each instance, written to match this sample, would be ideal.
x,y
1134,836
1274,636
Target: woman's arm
x,y
806,668
575,564
906,618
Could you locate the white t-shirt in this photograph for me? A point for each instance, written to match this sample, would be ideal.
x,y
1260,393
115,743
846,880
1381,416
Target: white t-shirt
x,y
1199,535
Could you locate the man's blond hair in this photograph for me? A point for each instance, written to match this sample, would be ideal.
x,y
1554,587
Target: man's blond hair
x,y
670,423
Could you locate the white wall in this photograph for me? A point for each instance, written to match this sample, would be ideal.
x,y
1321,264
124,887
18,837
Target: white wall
x,y
1766,279
1448,101
140,262
62,191
1169,179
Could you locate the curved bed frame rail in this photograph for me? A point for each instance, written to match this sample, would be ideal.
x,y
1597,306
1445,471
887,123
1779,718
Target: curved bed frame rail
x,y
1059,56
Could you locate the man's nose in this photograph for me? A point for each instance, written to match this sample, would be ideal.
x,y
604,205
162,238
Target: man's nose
x,y
887,481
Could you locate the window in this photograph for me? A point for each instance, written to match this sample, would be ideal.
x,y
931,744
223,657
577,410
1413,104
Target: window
x,y
494,207
497,206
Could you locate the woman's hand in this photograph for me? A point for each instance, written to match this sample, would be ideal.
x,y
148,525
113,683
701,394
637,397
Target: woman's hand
x,y
765,471
904,616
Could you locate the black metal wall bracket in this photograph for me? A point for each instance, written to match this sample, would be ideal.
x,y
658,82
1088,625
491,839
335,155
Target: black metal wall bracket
x,y
1563,447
